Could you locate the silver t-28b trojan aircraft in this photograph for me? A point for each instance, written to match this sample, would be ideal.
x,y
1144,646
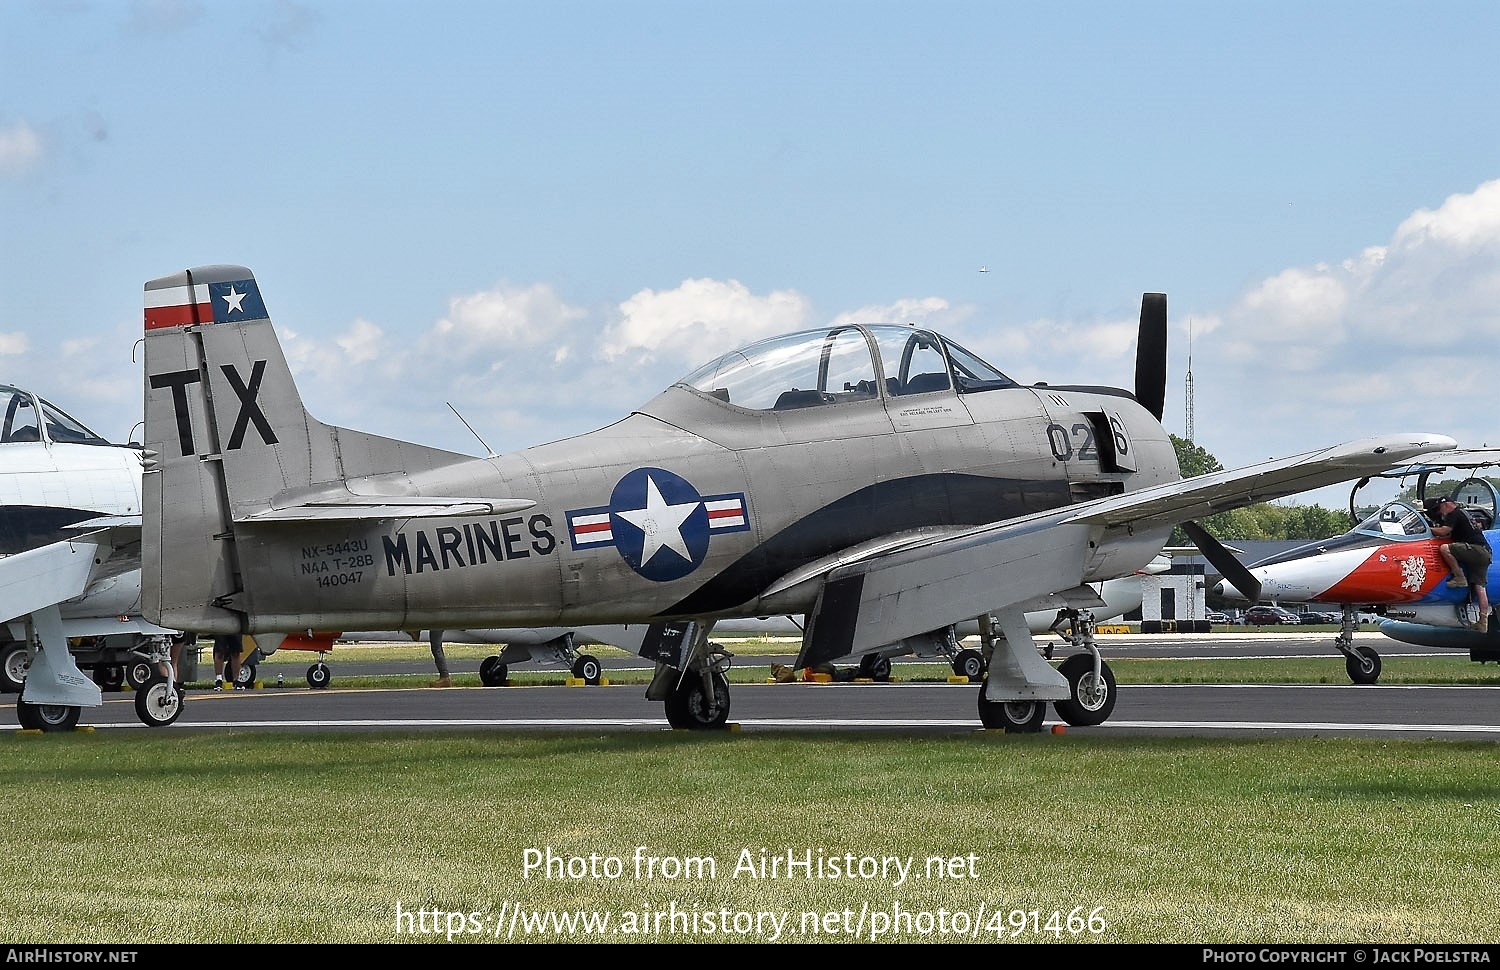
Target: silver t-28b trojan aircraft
x,y
882,480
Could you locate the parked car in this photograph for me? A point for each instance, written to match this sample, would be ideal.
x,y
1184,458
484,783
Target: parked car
x,y
1272,615
1214,616
1319,616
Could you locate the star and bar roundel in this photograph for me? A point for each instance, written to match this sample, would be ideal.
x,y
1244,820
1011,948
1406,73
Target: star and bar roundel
x,y
658,522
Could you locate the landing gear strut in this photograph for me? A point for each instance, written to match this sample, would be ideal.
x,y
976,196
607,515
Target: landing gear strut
x,y
1019,681
1361,662
695,695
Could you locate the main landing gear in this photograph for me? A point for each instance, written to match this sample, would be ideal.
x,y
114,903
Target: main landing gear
x,y
695,692
54,690
1013,696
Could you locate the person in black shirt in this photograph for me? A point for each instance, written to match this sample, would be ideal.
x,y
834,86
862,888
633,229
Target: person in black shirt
x,y
1467,556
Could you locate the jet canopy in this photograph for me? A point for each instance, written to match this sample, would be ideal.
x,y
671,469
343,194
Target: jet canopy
x,y
1395,520
843,363
27,417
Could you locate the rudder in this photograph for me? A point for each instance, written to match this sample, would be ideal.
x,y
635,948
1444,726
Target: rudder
x,y
189,571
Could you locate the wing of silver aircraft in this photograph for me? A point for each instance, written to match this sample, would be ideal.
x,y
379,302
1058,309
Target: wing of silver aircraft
x,y
883,480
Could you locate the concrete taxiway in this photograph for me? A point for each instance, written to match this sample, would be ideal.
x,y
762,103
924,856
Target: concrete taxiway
x,y
1335,708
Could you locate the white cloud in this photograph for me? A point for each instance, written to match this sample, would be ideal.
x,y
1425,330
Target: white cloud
x,y
928,311
701,319
1462,222
1298,306
503,318
79,347
1397,338
363,342
20,150
13,344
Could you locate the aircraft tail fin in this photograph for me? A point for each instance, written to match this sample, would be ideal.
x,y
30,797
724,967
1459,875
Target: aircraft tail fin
x,y
228,438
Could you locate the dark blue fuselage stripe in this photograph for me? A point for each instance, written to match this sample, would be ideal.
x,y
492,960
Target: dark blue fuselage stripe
x,y
877,510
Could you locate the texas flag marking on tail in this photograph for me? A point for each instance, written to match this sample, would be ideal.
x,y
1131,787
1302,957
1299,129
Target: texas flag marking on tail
x,y
178,304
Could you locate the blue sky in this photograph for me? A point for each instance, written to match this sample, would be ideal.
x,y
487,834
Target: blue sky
x,y
543,213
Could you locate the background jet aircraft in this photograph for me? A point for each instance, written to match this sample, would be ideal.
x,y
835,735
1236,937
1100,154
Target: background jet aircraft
x,y
1389,563
884,481
70,504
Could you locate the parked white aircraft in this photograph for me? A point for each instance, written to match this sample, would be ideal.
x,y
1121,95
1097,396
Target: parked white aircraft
x,y
70,506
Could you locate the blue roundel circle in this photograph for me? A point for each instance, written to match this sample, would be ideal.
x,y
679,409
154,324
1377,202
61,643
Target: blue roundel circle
x,y
659,523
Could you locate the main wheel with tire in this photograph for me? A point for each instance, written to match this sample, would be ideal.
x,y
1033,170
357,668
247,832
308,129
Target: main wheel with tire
x,y
1012,717
47,717
158,703
1091,699
1363,666
492,672
15,660
588,669
691,707
246,676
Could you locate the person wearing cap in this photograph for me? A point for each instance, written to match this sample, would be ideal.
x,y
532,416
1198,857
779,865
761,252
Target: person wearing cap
x,y
1467,556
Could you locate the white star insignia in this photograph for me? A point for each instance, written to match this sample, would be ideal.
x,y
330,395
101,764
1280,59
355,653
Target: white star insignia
x,y
235,300
662,523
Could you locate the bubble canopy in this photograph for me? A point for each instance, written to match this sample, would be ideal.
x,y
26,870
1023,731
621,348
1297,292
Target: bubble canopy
x,y
26,417
845,363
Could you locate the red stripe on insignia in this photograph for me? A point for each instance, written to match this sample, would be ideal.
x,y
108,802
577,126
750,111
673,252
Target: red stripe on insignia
x,y
161,317
580,530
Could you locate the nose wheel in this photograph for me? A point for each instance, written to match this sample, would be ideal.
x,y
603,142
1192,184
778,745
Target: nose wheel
x,y
319,675
1363,665
158,703
1092,696
1361,662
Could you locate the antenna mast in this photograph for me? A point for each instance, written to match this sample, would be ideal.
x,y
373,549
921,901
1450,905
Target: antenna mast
x,y
1190,382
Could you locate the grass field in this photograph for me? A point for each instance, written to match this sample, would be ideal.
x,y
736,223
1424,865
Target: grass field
x,y
141,837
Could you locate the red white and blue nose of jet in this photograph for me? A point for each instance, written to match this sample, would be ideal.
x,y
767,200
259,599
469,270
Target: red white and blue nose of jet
x,y
1299,580
1386,574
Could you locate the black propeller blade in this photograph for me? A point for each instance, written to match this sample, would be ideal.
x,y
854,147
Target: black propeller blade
x,y
1151,354
1233,571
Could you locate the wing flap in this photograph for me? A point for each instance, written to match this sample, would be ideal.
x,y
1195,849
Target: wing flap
x,y
866,605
